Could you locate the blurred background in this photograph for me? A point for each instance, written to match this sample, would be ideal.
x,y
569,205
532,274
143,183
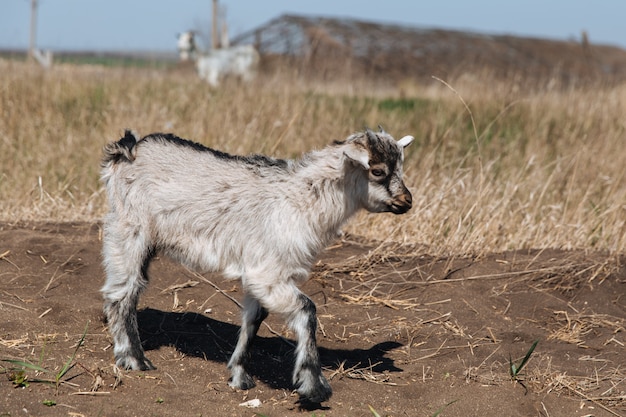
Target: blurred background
x,y
151,25
567,39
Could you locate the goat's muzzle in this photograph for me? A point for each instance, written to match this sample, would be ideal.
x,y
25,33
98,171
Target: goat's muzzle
x,y
402,203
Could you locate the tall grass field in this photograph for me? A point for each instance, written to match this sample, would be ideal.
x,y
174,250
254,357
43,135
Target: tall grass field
x,y
495,166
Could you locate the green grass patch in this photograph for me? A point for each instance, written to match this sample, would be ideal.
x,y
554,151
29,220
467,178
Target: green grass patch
x,y
515,369
404,105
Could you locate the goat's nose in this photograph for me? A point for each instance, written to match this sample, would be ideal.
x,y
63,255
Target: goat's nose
x,y
402,203
407,198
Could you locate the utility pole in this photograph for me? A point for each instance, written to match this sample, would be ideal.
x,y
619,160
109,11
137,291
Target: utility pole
x,y
214,29
33,29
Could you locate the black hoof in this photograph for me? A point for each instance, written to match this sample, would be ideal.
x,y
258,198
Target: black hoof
x,y
319,393
245,383
146,365
134,364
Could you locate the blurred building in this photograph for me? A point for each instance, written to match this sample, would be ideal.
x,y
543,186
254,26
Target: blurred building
x,y
328,47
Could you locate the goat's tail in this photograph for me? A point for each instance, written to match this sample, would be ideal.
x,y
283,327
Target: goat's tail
x,y
120,151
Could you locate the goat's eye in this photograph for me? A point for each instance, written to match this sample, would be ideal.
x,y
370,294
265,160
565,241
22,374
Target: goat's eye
x,y
378,172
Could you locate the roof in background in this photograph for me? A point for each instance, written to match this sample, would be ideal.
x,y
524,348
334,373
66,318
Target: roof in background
x,y
400,50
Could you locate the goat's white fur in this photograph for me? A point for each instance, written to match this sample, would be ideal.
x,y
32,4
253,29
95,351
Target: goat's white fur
x,y
240,61
186,44
256,218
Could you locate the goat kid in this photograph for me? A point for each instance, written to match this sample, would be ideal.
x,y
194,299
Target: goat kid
x,y
254,218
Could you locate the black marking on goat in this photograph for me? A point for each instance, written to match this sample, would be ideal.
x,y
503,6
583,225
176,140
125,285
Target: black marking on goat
x,y
175,140
383,150
148,256
262,160
260,314
311,360
128,141
308,306
121,150
380,145
253,160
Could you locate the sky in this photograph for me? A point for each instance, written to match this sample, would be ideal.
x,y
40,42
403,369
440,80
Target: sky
x,y
152,25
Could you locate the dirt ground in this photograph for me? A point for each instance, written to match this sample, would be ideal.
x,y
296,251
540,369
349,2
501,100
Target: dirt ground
x,y
399,331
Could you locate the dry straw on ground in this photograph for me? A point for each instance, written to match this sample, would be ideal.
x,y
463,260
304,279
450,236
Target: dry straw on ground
x,y
495,166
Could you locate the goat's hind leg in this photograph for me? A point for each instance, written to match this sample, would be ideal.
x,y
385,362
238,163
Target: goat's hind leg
x,y
253,316
126,258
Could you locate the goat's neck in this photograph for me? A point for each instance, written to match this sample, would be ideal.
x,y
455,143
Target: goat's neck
x,y
333,191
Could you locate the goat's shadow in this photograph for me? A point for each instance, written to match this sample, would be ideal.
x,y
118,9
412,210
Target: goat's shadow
x,y
271,358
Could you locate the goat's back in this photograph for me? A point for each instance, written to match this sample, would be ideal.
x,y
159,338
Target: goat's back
x,y
176,171
208,209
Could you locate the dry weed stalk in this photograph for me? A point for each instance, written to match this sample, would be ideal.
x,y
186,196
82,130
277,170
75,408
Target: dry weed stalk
x,y
387,301
15,343
363,373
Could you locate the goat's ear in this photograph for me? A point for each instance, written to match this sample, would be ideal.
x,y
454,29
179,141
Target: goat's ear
x,y
406,141
357,153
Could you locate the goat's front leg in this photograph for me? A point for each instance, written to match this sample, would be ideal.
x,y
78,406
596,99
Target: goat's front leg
x,y
307,373
253,316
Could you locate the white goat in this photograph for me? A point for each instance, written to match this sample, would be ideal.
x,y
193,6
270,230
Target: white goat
x,y
240,61
186,43
255,218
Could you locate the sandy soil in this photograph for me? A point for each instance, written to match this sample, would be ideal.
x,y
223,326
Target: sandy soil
x,y
404,333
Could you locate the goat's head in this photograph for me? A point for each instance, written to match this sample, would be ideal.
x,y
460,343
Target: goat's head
x,y
380,156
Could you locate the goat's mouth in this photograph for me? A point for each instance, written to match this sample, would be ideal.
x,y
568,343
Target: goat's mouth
x,y
401,204
398,207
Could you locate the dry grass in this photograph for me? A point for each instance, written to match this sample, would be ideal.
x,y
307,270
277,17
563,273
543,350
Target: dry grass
x,y
538,169
572,328
360,372
602,388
